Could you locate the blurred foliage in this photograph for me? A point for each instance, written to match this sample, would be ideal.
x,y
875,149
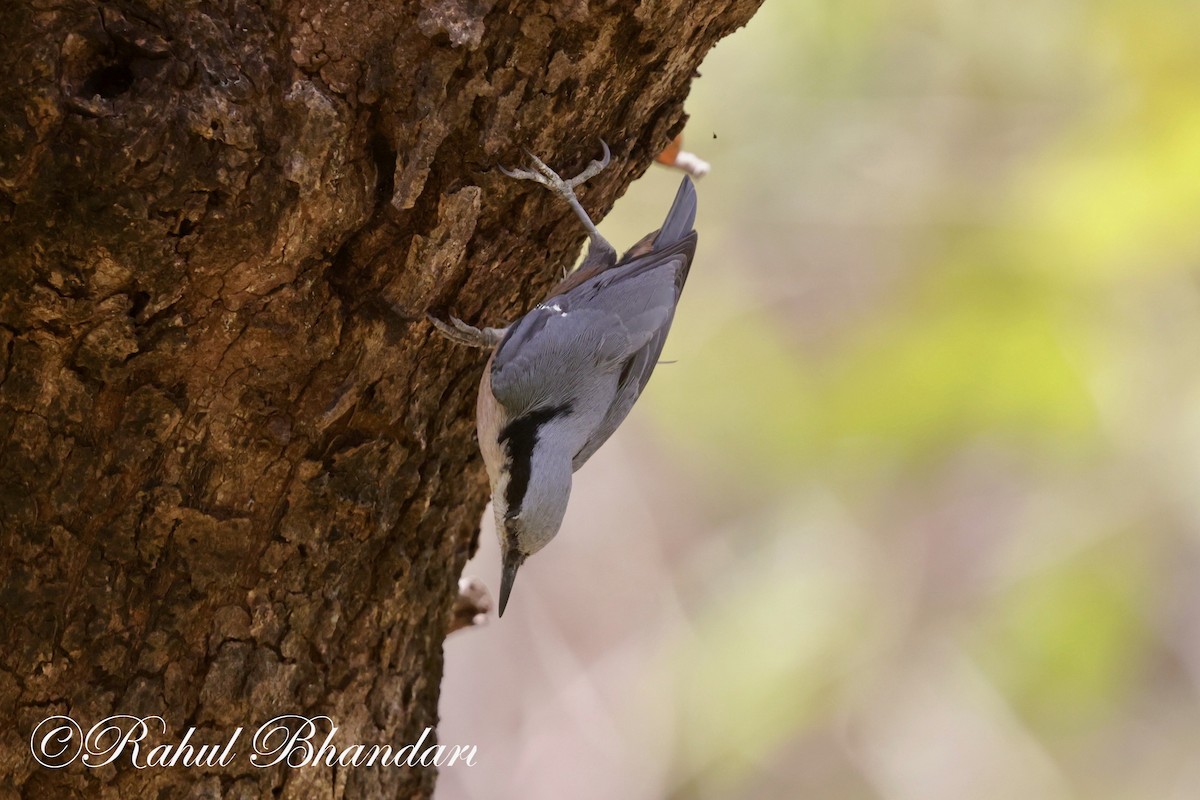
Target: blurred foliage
x,y
1062,644
946,285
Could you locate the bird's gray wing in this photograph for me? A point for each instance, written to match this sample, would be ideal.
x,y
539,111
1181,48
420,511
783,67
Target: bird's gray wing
x,y
630,381
573,341
674,260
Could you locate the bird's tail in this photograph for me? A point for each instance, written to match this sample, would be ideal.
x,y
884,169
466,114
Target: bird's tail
x,y
680,218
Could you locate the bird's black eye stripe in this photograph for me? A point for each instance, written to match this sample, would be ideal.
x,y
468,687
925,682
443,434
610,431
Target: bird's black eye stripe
x,y
518,439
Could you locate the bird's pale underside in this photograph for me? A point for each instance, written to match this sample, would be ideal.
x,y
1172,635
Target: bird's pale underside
x,y
564,376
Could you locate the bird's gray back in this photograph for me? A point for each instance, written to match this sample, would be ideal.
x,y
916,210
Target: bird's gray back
x,y
594,346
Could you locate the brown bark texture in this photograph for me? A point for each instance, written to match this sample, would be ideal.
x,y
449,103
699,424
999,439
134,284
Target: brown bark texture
x,y
238,475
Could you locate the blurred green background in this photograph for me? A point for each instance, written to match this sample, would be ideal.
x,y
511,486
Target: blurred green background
x,y
916,513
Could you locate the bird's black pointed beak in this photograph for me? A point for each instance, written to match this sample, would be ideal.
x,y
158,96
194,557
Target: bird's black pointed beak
x,y
513,558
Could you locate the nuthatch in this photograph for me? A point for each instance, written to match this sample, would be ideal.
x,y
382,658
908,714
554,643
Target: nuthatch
x,y
563,377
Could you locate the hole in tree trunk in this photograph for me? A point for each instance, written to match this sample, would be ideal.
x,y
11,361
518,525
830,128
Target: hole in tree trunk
x,y
108,81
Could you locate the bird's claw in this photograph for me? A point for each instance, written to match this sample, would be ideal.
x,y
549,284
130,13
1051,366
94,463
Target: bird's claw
x,y
549,178
461,332
594,168
566,190
523,174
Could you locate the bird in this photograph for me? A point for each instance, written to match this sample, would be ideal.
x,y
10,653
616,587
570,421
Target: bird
x,y
563,377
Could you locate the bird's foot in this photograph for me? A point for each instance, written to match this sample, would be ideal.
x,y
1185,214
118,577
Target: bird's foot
x,y
549,178
566,190
461,332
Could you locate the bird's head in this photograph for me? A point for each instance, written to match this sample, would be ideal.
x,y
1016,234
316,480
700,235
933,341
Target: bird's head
x,y
526,527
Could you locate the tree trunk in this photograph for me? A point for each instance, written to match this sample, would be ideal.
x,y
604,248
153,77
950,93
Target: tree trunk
x,y
238,474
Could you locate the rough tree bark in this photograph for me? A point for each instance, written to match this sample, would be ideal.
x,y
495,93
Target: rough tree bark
x,y
238,475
